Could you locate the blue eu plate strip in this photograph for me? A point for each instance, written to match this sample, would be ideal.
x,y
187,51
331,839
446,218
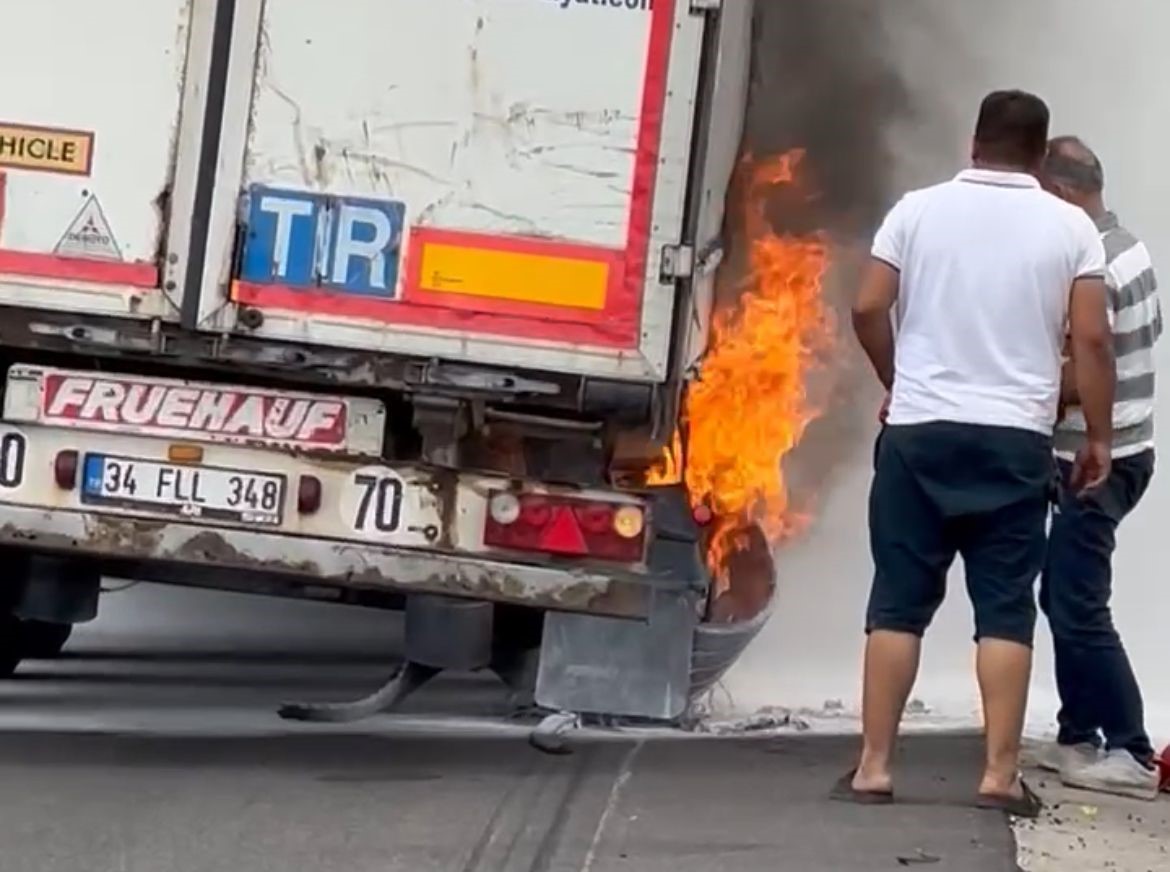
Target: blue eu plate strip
x,y
95,472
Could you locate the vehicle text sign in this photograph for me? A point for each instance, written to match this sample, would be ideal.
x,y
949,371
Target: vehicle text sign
x,y
306,240
47,149
182,410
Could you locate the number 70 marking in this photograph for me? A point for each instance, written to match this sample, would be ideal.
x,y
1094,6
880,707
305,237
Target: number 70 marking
x,y
380,505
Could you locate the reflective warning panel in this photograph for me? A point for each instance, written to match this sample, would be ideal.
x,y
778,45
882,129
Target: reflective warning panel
x,y
519,272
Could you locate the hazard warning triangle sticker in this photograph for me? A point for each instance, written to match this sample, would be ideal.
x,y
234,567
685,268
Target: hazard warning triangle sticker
x,y
89,235
564,536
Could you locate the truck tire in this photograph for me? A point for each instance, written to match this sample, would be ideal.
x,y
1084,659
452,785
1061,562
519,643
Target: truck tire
x,y
43,640
11,644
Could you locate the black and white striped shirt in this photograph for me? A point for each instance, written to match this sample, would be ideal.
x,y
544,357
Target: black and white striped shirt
x,y
1136,317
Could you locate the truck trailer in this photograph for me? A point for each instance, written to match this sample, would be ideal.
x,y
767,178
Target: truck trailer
x,y
373,302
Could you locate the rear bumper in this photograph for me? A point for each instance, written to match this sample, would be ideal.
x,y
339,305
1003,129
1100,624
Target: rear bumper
x,y
325,562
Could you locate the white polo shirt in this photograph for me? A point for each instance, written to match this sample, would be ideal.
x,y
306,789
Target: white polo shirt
x,y
987,262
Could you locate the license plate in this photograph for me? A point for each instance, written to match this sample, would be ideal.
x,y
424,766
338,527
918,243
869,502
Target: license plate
x,y
209,492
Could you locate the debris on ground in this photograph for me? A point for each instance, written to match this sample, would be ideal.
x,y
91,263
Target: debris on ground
x,y
1080,831
766,720
919,858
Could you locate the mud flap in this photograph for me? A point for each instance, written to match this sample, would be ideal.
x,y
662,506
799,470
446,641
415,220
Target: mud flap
x,y
620,668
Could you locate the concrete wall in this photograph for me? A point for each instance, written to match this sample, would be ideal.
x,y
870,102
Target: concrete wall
x,y
1104,67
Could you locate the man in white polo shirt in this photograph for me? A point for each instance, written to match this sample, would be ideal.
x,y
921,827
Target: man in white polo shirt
x,y
978,278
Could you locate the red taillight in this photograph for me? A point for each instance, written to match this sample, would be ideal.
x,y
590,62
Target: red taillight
x,y
595,518
65,469
702,515
308,494
567,526
535,512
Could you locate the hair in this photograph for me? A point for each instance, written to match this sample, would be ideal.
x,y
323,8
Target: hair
x,y
1070,162
1012,129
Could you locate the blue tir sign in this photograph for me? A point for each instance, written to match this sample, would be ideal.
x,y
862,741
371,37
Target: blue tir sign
x,y
306,240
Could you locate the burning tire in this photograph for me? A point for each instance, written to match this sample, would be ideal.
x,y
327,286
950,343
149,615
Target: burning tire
x,y
29,640
11,645
736,615
749,405
718,646
43,640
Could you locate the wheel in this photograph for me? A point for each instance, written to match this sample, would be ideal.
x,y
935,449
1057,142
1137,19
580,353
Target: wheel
x,y
42,640
10,645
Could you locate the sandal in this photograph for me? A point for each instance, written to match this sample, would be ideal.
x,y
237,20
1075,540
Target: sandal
x,y
844,791
1027,806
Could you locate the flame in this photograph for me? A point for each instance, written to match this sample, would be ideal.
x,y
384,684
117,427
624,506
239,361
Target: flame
x,y
667,469
749,407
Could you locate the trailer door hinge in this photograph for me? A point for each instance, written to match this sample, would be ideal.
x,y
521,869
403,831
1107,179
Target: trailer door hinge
x,y
678,262
698,7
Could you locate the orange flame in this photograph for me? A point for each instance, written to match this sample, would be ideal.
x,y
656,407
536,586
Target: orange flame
x,y
668,468
749,407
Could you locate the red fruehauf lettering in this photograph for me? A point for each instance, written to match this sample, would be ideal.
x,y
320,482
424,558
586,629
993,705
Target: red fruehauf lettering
x,y
147,406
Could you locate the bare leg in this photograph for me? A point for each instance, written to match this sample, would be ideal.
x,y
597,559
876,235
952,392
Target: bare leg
x,y
1005,669
891,665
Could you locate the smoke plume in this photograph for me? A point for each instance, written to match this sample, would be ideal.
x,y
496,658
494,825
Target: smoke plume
x,y
821,82
825,80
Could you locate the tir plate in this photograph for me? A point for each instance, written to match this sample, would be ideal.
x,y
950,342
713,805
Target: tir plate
x,y
208,492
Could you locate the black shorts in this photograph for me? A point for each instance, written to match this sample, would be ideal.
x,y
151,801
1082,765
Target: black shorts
x,y
942,489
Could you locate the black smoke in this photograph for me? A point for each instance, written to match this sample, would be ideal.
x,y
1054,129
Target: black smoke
x,y
827,78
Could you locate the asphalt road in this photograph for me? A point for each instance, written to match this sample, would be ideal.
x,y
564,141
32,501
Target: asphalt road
x,y
153,747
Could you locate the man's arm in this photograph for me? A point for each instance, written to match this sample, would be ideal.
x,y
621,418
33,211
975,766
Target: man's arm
x,y
1068,385
1094,369
1069,395
871,318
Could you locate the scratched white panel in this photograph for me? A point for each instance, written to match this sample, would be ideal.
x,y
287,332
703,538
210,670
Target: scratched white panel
x,y
115,68
487,115
492,116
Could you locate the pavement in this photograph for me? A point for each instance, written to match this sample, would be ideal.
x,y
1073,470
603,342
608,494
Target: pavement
x,y
1088,832
132,803
153,747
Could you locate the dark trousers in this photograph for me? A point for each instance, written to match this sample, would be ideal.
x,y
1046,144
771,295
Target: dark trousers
x,y
944,489
1099,694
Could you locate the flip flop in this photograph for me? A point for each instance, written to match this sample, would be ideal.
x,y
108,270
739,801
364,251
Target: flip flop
x,y
844,791
1027,806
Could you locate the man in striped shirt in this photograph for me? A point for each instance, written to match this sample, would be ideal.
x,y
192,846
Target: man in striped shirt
x,y
1099,694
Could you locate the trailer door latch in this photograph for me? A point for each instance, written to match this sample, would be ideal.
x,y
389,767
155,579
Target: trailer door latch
x,y
678,262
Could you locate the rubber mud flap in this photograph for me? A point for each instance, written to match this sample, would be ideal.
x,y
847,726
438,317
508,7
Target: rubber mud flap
x,y
620,668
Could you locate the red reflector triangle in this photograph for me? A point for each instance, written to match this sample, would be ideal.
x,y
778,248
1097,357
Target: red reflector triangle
x,y
563,536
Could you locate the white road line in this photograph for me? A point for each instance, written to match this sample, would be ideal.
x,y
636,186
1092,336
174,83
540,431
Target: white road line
x,y
615,795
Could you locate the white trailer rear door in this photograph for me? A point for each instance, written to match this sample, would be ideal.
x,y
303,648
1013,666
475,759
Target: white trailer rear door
x,y
96,108
482,180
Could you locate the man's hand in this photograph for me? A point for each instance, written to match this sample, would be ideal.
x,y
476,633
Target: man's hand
x,y
1091,467
884,411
